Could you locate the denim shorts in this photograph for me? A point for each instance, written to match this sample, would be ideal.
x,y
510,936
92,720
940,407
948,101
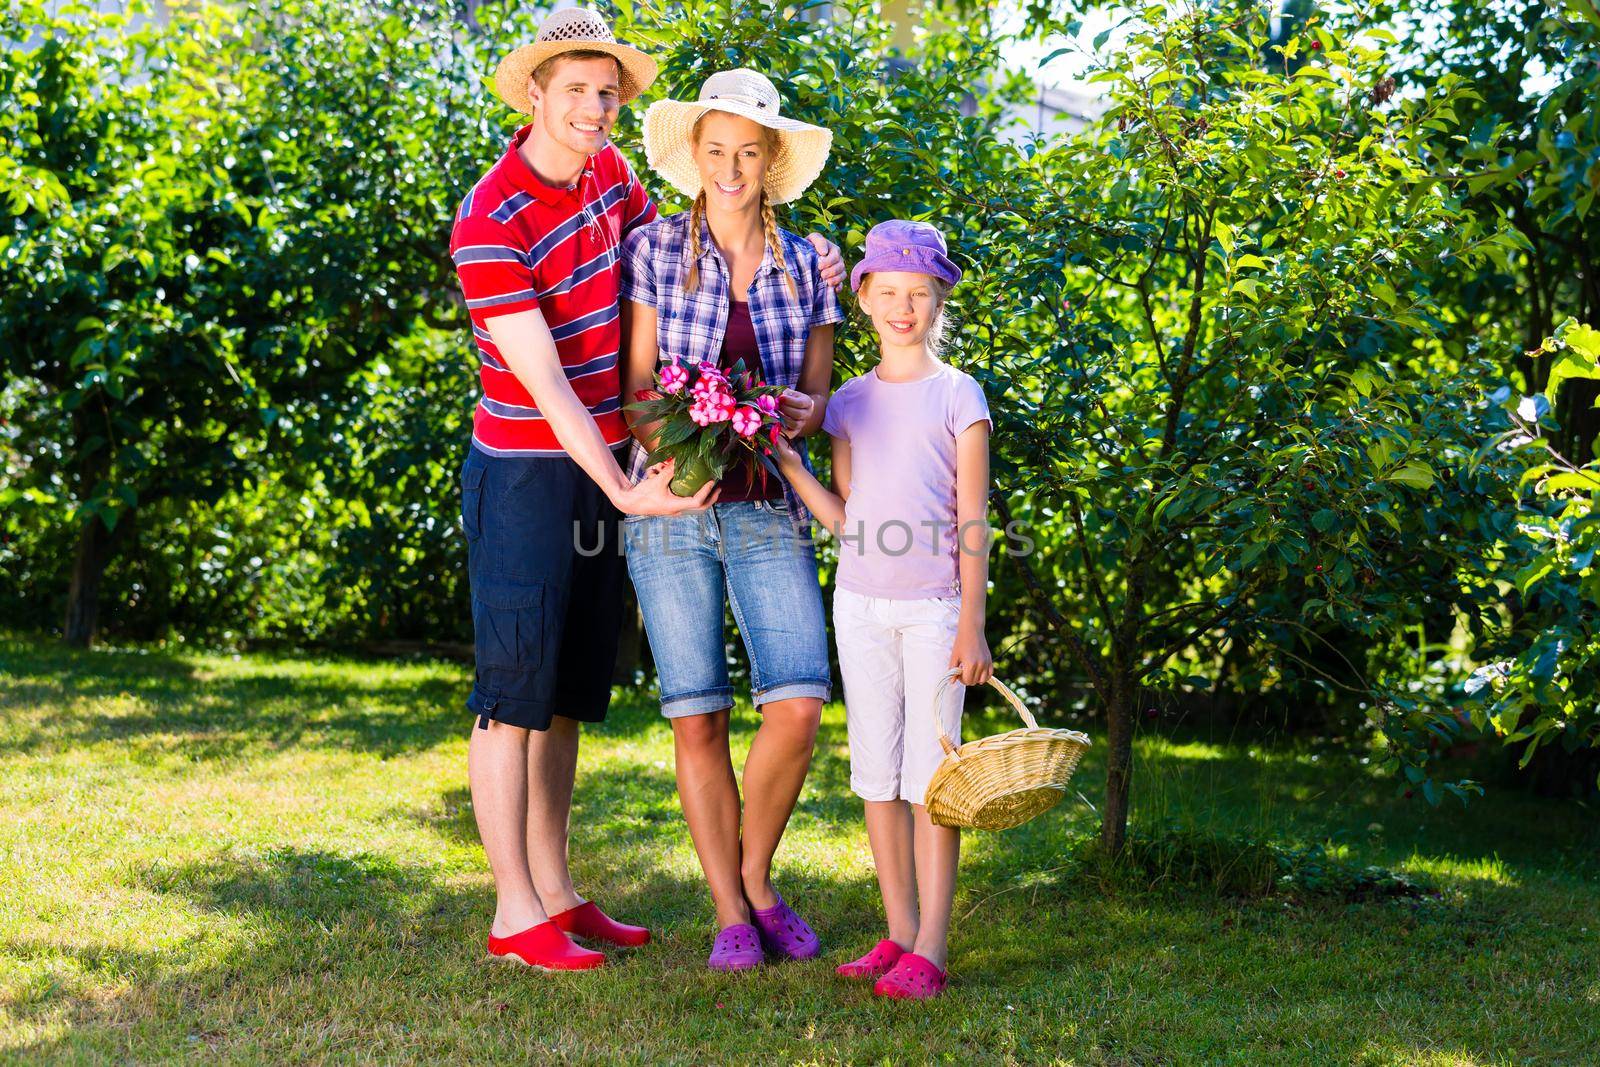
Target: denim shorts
x,y
544,558
749,555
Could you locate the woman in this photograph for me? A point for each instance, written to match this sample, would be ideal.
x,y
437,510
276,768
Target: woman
x,y
722,282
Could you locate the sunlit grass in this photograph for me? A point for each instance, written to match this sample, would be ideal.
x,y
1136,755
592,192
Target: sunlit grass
x,y
273,859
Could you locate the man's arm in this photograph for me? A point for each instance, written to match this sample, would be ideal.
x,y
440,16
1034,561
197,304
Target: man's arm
x,y
830,263
528,349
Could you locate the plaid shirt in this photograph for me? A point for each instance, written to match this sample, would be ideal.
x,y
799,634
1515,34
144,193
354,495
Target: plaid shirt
x,y
690,326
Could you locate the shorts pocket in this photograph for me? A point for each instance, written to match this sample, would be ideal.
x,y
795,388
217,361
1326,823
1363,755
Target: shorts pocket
x,y
472,502
508,624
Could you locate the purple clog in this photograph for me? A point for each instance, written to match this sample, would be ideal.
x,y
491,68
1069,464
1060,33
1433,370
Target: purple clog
x,y
784,933
737,948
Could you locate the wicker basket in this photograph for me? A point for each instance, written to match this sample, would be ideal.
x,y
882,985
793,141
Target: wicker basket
x,y
995,783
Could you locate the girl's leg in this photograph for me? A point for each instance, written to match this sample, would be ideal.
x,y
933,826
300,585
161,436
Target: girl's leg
x,y
938,854
889,829
710,799
928,630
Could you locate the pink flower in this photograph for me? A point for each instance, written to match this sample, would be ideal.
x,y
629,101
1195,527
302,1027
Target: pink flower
x,y
767,403
709,369
706,388
746,421
673,378
773,431
718,407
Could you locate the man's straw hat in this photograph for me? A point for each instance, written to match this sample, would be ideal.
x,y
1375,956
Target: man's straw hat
x,y
802,152
572,29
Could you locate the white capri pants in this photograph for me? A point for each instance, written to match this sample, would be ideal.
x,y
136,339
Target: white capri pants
x,y
892,654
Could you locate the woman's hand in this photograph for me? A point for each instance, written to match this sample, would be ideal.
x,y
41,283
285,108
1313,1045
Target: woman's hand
x,y
971,654
795,408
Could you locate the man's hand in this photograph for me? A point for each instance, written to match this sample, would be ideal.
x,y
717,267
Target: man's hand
x,y
971,654
795,408
654,495
831,264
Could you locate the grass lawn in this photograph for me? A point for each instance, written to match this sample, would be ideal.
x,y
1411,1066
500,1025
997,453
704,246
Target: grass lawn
x,y
269,860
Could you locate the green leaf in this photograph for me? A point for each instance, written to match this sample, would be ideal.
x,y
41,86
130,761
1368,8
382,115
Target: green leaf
x,y
1414,474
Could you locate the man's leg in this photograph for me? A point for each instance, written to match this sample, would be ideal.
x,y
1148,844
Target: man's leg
x,y
497,769
552,762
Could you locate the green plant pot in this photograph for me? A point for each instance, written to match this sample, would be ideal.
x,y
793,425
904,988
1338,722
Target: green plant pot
x,y
689,475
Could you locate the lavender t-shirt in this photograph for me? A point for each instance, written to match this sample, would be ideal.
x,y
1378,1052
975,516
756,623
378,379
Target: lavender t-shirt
x,y
899,538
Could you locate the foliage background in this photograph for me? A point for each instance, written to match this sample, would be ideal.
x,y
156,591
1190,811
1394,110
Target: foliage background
x,y
1258,339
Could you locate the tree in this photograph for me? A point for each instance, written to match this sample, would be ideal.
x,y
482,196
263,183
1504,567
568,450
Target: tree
x,y
214,226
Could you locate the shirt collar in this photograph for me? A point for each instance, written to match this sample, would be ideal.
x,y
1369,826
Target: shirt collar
x,y
529,182
708,247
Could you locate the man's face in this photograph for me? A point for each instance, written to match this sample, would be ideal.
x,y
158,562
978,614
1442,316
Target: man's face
x,y
579,105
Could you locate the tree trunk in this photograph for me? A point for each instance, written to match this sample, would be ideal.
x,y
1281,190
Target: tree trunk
x,y
83,596
1119,766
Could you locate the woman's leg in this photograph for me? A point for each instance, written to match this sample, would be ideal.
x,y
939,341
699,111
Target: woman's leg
x,y
777,602
938,855
678,574
774,771
710,799
889,830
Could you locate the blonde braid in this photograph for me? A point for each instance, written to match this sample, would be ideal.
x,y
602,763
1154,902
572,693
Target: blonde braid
x,y
769,221
691,281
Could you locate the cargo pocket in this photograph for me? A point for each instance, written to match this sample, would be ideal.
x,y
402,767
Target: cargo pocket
x,y
472,502
509,623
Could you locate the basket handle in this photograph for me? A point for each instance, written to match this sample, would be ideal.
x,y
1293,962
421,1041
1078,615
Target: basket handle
x,y
951,675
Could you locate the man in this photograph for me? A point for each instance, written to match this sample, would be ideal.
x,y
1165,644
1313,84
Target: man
x,y
535,246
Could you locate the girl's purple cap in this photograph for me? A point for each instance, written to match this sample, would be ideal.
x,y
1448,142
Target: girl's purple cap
x,y
901,244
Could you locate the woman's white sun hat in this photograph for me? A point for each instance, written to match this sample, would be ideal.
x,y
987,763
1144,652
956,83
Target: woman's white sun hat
x,y
572,29
802,151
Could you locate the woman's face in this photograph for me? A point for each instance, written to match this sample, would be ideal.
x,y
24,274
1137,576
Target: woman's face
x,y
903,305
732,153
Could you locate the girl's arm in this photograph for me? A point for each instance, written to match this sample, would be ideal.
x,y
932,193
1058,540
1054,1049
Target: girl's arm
x,y
971,651
640,351
804,407
826,506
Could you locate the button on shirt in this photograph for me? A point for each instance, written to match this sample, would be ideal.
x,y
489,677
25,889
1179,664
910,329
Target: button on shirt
x,y
690,327
519,244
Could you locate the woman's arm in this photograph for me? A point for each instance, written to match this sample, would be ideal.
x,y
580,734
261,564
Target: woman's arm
x,y
826,506
971,651
804,407
640,352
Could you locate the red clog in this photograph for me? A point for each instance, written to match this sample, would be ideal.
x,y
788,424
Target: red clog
x,y
912,978
546,948
588,921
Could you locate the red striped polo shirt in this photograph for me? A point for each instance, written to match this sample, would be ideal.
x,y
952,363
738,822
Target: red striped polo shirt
x,y
520,244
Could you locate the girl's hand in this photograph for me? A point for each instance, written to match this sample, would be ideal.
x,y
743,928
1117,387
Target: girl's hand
x,y
784,453
971,654
795,408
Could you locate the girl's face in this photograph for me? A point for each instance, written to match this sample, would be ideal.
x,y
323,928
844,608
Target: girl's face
x,y
733,154
903,306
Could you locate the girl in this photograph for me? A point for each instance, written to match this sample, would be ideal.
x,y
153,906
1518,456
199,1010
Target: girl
x,y
911,466
723,283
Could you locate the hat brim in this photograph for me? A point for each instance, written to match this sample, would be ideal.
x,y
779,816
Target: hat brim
x,y
802,154
512,75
